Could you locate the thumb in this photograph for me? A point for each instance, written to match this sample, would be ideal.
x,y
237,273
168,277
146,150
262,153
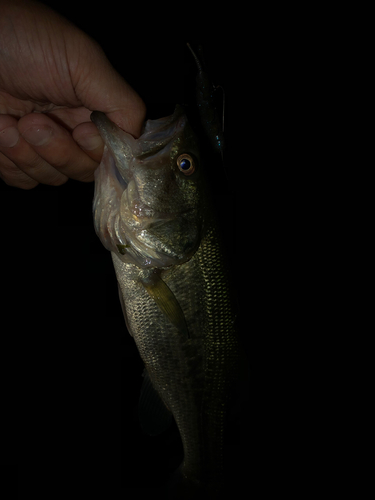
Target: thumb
x,y
100,88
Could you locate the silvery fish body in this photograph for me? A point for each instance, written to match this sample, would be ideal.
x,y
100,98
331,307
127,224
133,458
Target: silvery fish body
x,y
152,212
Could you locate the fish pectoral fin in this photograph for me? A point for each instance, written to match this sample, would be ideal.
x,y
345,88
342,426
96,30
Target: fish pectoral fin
x,y
167,302
154,416
124,310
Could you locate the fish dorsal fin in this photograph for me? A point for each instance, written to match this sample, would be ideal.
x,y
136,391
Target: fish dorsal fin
x,y
167,302
154,416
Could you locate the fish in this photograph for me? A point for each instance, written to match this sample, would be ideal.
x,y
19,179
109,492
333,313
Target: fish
x,y
153,211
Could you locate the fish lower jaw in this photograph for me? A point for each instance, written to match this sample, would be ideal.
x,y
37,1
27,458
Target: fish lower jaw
x,y
136,213
132,209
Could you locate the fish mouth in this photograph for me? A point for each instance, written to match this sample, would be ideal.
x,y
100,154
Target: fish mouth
x,y
130,154
125,149
126,219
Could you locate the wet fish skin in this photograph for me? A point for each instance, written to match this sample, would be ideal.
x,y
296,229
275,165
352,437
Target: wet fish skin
x,y
173,280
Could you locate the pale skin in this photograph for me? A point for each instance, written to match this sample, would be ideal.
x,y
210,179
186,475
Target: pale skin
x,y
52,75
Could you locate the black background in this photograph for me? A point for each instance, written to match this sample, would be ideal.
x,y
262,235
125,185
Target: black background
x,y
77,370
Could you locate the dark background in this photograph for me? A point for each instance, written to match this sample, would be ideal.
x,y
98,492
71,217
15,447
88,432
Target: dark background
x,y
77,369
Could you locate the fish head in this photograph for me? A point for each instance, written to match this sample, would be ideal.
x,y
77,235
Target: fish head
x,y
147,203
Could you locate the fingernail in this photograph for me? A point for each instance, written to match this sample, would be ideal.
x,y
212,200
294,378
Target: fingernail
x,y
9,137
90,142
38,136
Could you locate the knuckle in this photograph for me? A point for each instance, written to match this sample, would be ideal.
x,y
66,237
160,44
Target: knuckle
x,y
27,185
14,177
58,181
20,182
87,177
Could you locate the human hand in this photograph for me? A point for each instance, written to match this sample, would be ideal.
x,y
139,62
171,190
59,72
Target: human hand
x,y
52,75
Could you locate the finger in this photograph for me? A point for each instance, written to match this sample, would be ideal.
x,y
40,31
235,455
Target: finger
x,y
14,147
87,137
13,176
99,87
57,147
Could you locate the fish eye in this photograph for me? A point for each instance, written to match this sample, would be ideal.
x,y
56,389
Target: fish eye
x,y
186,164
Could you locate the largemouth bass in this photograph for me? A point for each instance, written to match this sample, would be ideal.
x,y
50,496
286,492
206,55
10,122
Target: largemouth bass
x,y
153,212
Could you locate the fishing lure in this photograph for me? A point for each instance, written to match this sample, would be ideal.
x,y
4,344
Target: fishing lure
x,y
212,124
